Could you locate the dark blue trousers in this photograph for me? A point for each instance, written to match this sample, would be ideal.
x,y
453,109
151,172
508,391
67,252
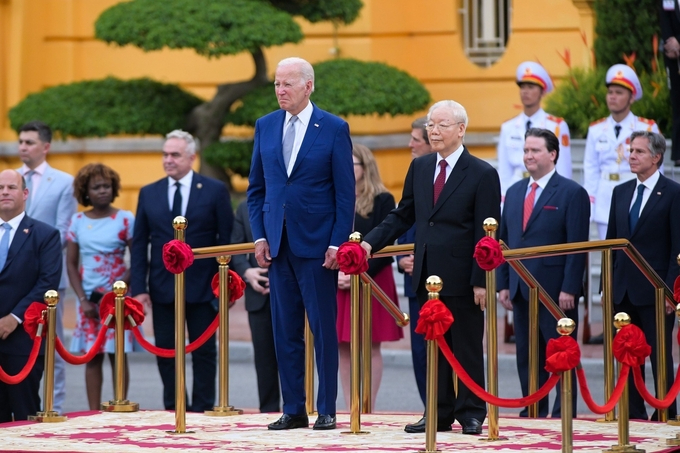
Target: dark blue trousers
x,y
418,349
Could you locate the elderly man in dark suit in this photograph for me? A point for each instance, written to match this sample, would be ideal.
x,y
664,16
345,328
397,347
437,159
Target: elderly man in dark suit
x,y
205,202
30,265
646,211
259,315
301,206
447,195
545,208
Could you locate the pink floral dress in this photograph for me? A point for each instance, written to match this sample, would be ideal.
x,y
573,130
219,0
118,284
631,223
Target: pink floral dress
x,y
102,243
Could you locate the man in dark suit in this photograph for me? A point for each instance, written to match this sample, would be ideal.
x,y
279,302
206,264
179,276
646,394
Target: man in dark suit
x,y
669,17
420,146
301,206
259,315
646,211
205,202
30,265
545,208
447,196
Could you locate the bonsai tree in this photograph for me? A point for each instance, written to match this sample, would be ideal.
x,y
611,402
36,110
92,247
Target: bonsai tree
x,y
214,28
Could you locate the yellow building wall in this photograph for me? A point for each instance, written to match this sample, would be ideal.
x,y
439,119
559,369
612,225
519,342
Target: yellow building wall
x,y
49,42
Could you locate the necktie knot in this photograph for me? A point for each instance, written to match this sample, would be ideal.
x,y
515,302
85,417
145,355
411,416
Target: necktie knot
x,y
617,130
528,124
7,226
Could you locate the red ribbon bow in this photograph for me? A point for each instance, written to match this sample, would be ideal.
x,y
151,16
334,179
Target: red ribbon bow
x,y
352,258
33,317
562,354
177,256
488,253
630,347
435,319
132,307
236,286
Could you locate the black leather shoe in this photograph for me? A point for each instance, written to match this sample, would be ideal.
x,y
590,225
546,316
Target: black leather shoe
x,y
471,426
290,422
325,422
419,427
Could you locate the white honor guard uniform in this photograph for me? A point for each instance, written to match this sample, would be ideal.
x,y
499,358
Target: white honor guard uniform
x,y
511,141
605,162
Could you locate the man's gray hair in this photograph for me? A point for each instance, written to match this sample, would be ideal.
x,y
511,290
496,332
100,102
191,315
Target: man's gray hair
x,y
187,137
305,68
456,109
657,143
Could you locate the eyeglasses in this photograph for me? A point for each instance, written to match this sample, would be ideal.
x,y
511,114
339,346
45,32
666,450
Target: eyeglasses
x,y
441,126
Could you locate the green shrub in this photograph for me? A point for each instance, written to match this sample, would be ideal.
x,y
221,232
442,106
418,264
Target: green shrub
x,y
232,154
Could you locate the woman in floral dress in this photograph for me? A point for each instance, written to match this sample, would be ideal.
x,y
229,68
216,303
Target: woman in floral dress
x,y
95,250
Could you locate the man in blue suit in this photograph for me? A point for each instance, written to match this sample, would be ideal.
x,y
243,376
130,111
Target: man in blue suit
x,y
646,211
30,265
50,200
301,205
205,202
543,209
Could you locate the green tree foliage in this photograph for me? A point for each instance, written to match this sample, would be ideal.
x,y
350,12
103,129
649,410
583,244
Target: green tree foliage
x,y
97,108
345,87
211,28
624,27
345,11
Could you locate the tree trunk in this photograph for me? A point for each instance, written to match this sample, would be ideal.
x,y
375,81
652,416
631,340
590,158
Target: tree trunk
x,y
205,121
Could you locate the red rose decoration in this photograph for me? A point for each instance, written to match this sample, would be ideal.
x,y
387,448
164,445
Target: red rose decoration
x,y
488,253
630,347
562,354
352,258
132,307
107,306
676,290
33,317
177,256
236,286
435,319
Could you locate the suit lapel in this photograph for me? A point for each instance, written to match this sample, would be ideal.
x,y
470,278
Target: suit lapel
x,y
277,136
623,209
20,236
456,177
653,199
313,129
195,192
516,205
546,195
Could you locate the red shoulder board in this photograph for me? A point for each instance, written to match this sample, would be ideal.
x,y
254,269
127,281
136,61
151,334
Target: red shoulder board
x,y
598,121
556,119
646,121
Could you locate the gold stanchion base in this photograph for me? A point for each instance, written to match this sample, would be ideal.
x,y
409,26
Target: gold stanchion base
x,y
675,421
495,439
47,417
623,449
604,420
673,440
183,432
223,411
119,406
355,432
429,451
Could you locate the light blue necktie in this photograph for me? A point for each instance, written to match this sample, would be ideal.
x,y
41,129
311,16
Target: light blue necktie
x,y
4,245
634,214
289,140
28,177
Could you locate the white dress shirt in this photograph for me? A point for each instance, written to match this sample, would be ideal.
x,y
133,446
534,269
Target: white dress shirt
x,y
300,126
185,190
451,161
649,184
542,182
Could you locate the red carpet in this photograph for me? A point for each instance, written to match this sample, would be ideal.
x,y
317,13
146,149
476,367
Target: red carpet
x,y
146,432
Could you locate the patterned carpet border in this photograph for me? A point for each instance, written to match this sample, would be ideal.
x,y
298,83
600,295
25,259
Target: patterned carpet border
x,y
146,431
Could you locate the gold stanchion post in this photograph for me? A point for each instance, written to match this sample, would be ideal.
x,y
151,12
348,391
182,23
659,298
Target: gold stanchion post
x,y
434,285
354,351
180,224
490,227
223,408
119,403
366,347
566,326
661,381
620,320
533,349
607,304
309,368
49,415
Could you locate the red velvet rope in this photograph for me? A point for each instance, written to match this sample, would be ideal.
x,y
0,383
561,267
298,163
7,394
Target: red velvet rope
x,y
81,359
17,378
616,394
656,403
170,353
489,398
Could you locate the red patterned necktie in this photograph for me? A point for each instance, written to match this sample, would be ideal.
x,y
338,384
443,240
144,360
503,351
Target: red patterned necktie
x,y
440,181
529,205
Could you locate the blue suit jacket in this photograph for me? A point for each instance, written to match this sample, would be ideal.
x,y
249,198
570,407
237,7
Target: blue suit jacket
x,y
210,217
561,214
656,237
317,200
33,267
55,204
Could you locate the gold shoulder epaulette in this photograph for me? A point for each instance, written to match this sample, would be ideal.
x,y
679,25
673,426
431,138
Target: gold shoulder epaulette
x,y
598,121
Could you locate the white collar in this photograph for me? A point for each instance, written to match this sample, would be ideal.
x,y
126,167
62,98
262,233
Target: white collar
x,y
304,116
185,181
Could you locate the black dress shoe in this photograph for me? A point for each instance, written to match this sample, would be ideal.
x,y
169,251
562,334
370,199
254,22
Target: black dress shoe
x,y
419,427
471,426
290,422
325,422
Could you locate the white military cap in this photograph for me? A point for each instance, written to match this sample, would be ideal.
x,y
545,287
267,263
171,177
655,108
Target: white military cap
x,y
532,72
624,76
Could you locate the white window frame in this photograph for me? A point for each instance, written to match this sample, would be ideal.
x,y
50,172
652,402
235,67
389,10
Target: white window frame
x,y
485,29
